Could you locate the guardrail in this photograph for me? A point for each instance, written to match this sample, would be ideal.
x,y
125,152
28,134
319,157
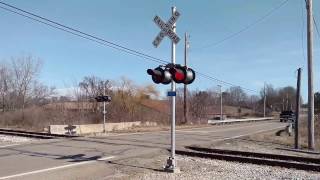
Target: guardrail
x,y
228,121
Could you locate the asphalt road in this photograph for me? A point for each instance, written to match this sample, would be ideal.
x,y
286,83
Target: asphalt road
x,y
89,157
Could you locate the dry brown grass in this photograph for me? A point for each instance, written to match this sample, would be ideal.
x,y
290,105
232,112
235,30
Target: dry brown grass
x,y
287,140
233,111
31,118
37,118
303,131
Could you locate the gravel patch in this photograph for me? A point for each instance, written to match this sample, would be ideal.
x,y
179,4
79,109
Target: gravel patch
x,y
203,169
193,168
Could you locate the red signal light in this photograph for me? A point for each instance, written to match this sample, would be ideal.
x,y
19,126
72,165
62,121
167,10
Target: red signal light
x,y
178,73
179,76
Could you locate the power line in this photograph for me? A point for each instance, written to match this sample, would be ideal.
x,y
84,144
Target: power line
x,y
113,45
232,35
315,24
224,82
84,37
99,40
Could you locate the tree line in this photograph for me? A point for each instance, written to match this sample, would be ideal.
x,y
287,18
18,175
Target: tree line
x,y
26,101
19,84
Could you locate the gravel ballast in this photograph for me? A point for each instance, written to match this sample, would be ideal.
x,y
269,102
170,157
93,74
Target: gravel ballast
x,y
203,169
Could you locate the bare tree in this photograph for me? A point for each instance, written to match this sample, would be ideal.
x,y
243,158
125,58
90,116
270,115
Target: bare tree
x,y
25,70
90,87
272,97
4,85
200,102
94,86
40,93
237,95
279,99
254,102
288,94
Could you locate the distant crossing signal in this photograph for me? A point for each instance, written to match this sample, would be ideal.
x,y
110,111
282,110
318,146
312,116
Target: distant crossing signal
x,y
103,99
177,73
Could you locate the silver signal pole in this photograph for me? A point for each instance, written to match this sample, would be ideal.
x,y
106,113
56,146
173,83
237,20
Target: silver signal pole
x,y
221,111
171,162
185,105
104,110
173,102
264,100
169,29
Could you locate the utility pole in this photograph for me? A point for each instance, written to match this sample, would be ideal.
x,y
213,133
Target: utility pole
x,y
264,100
287,107
296,122
311,145
185,104
221,110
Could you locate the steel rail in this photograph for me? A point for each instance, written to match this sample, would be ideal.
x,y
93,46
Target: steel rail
x,y
309,164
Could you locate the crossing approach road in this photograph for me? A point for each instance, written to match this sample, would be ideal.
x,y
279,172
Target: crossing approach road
x,y
91,157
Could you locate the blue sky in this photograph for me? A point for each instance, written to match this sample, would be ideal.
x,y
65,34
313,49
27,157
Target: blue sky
x,y
269,52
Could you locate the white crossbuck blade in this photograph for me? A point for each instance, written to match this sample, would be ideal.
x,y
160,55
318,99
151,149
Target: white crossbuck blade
x,y
166,29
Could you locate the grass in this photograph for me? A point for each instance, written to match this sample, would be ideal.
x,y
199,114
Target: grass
x,y
287,140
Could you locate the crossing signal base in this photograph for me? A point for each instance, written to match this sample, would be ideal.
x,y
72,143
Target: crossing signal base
x,y
172,72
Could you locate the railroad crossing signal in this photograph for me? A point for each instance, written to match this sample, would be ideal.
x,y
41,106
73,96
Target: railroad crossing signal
x,y
169,73
166,29
103,99
164,76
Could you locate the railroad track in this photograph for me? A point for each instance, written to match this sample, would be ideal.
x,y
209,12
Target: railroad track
x,y
302,163
31,134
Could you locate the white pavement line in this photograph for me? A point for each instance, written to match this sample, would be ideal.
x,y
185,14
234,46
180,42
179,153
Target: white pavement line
x,y
256,132
127,134
55,168
9,145
231,125
220,130
205,132
105,158
186,130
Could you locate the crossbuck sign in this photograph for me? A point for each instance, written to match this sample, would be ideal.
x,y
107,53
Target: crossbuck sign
x,y
166,29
